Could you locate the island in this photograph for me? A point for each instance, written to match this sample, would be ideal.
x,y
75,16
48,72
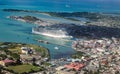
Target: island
x,y
70,30
51,29
89,18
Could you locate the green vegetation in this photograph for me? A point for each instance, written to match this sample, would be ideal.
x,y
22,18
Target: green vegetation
x,y
24,68
13,50
43,51
73,19
77,55
30,18
89,15
46,64
3,56
6,53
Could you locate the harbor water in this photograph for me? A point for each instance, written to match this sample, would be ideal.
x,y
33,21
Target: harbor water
x,y
16,31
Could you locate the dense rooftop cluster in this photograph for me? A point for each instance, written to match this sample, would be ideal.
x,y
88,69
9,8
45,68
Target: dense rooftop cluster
x,y
105,54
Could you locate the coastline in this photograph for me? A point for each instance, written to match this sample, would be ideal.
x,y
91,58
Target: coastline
x,y
27,58
91,31
94,26
47,53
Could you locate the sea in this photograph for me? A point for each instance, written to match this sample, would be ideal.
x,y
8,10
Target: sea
x,y
16,31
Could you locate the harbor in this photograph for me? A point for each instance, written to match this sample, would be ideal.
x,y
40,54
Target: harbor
x,y
22,32
60,37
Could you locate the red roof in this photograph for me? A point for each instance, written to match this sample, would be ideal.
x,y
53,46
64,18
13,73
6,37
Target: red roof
x,y
76,66
8,61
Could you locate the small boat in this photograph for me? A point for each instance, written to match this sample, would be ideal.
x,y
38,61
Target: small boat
x,y
56,48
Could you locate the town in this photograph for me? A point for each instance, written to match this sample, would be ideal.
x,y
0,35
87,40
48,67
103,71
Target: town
x,y
96,43
104,54
95,56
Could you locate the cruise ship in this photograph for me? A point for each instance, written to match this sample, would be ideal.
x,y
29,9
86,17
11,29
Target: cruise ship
x,y
51,32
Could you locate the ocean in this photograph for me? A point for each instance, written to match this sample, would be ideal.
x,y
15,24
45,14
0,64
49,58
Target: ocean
x,y
15,31
65,5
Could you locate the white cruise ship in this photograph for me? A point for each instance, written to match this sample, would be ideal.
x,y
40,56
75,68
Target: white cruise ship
x,y
51,32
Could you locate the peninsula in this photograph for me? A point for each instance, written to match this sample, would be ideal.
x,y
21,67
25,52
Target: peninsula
x,y
21,58
64,30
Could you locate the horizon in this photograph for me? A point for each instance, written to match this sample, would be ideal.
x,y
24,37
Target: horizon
x,y
77,5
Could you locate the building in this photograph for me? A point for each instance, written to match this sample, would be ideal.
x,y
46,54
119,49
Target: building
x,y
76,66
65,72
60,68
6,62
26,50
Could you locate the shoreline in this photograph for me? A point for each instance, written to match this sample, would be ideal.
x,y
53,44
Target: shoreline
x,y
98,23
25,44
94,48
44,12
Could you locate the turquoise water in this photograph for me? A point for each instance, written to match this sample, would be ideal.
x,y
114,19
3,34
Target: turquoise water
x,y
65,5
15,31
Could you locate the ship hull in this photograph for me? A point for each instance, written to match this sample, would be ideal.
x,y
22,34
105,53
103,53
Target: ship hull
x,y
51,35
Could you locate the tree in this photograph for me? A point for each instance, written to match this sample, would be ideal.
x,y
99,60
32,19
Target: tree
x,y
117,72
1,69
18,61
